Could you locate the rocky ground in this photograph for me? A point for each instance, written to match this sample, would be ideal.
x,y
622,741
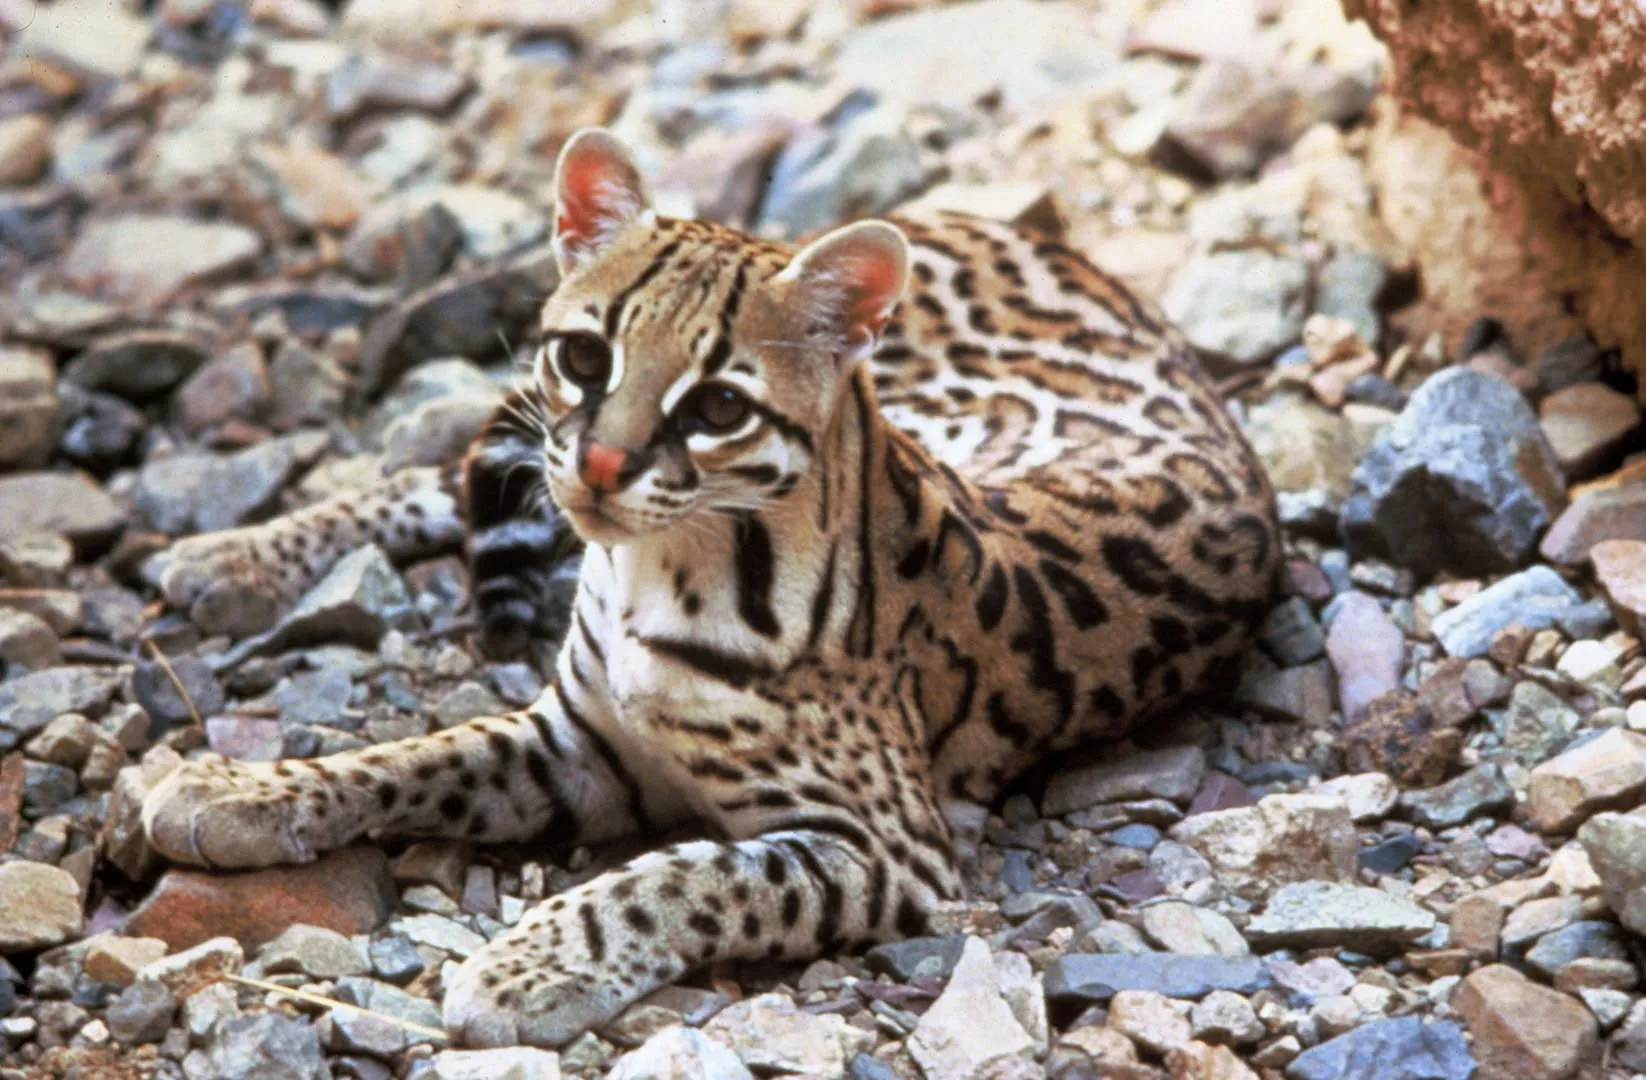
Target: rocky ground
x,y
255,251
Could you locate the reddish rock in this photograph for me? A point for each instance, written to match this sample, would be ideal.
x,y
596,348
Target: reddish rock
x,y
1620,567
350,891
1400,736
1522,1030
1596,515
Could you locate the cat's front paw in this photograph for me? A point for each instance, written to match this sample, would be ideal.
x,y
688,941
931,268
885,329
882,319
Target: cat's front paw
x,y
227,815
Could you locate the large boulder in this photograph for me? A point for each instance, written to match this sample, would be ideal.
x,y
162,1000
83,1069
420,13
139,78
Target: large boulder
x,y
1545,103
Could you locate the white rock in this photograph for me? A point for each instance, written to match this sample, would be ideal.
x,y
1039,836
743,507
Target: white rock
x,y
680,1053
508,1063
1282,840
772,1036
1370,796
969,1025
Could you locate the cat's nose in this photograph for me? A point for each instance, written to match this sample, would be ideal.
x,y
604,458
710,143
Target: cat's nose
x,y
606,468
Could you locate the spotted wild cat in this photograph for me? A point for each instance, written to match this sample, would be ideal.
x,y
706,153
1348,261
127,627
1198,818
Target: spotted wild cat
x,y
868,528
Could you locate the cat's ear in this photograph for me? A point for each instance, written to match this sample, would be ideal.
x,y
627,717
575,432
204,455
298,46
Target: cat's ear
x,y
597,190
852,279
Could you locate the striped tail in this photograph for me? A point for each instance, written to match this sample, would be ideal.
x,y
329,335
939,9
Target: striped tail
x,y
518,543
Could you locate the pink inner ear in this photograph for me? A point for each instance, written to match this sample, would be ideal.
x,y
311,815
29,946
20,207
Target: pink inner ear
x,y
580,212
873,282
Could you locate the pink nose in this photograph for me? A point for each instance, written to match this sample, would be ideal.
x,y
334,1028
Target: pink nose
x,y
601,467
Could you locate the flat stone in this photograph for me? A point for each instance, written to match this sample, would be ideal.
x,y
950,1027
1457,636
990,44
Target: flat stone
x,y
313,951
1096,977
1533,598
117,960
903,960
39,906
1282,840
1620,568
508,1063
1172,774
192,969
1302,694
1588,939
138,365
1594,516
970,1026
382,998
349,891
438,932
1481,790
1367,651
1315,913
1605,773
149,258
202,492
1587,425
1521,1029
69,504
1463,481
1402,1049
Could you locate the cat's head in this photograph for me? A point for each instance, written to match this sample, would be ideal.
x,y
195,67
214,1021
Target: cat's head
x,y
686,368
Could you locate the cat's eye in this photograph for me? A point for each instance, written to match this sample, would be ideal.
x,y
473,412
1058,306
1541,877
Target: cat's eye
x,y
585,360
718,408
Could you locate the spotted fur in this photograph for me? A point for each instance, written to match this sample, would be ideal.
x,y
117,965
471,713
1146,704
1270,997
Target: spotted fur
x,y
982,506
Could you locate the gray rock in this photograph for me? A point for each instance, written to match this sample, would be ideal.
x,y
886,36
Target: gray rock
x,y
905,959
395,959
1575,360
469,315
1616,845
1463,481
1292,633
199,492
1017,50
142,1013
381,997
1173,774
348,1031
1090,977
1481,790
65,503
1348,287
1534,598
46,787
1589,938
139,364
267,1047
356,603
30,702
306,387
1537,723
407,246
158,694
1244,305
1403,1049
1303,694
364,82
100,431
1316,913
864,165
313,951
1225,1017
314,698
